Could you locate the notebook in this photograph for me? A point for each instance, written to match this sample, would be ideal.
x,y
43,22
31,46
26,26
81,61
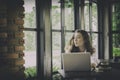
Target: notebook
x,y
76,61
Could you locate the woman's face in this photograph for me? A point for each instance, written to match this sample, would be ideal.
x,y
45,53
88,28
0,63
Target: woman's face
x,y
78,40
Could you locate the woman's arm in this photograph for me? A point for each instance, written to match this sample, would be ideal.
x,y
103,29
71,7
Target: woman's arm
x,y
94,60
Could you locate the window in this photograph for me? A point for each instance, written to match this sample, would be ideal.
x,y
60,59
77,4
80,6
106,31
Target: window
x,y
91,24
69,15
62,27
63,18
116,29
69,20
30,38
56,35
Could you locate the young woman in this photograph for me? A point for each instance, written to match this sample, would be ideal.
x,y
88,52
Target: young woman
x,y
80,42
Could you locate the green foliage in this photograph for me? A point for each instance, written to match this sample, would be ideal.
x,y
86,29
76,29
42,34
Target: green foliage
x,y
30,72
68,3
55,68
116,51
30,20
56,76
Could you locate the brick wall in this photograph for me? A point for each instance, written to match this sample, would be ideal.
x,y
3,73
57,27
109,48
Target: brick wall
x,y
11,40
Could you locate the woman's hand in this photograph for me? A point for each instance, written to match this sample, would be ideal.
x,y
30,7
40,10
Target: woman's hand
x,y
93,65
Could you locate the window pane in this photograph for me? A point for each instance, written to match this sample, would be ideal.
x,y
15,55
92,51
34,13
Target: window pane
x,y
116,44
95,43
86,15
56,15
115,27
68,36
94,17
30,39
56,50
116,16
30,48
30,20
69,15
30,53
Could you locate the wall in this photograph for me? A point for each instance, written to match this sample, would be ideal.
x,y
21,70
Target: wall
x,y
11,40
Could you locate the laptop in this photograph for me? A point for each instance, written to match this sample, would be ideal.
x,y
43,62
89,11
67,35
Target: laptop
x,y
77,61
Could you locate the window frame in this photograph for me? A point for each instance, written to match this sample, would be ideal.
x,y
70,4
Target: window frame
x,y
112,32
40,29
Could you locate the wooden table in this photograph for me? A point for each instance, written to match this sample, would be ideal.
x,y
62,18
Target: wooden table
x,y
113,74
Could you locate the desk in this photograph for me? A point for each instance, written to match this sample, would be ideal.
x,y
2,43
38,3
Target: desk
x,y
113,74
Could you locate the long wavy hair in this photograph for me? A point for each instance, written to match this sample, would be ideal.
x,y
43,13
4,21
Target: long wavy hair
x,y
88,46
